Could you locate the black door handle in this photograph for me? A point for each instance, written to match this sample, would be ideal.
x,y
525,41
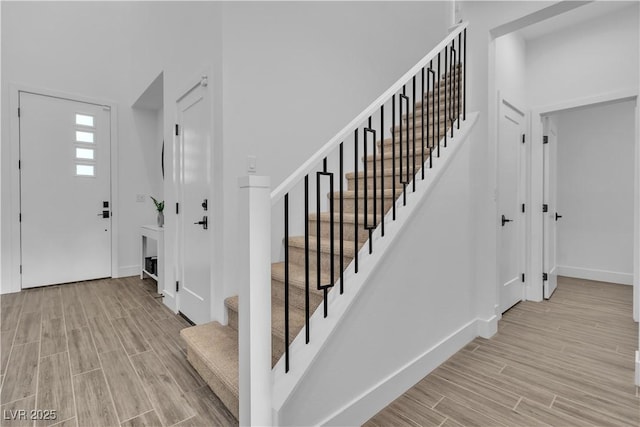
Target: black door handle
x,y
558,216
204,223
505,220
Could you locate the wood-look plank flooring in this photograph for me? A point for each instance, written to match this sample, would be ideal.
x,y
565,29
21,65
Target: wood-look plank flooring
x,y
568,361
100,353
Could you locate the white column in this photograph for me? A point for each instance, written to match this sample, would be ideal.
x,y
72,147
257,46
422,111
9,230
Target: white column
x,y
254,316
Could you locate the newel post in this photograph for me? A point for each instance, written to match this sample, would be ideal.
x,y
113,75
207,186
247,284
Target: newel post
x,y
254,314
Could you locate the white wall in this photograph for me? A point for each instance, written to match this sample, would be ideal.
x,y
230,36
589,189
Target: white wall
x,y
73,48
590,58
429,312
595,191
296,72
511,70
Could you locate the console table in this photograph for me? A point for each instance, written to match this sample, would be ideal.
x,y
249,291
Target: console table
x,y
156,233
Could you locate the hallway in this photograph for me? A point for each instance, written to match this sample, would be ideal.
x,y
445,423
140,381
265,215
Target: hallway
x,y
567,361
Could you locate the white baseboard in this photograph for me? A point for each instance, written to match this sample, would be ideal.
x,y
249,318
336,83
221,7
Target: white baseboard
x,y
638,368
128,270
594,274
486,328
386,391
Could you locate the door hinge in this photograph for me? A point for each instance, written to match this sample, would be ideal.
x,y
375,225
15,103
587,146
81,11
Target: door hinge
x,y
177,286
20,268
177,208
20,217
545,139
523,208
522,277
545,277
19,164
177,127
545,208
523,138
18,111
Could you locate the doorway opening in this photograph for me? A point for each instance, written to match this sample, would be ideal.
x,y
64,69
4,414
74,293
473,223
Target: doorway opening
x,y
588,174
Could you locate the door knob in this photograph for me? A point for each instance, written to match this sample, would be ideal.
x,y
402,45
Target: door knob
x,y
104,214
558,216
505,220
204,223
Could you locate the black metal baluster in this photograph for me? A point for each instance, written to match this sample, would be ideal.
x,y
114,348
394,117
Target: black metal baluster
x,y
382,169
431,119
438,116
306,257
458,75
452,80
446,105
413,133
320,286
422,122
286,282
404,178
368,226
355,166
464,78
342,221
393,155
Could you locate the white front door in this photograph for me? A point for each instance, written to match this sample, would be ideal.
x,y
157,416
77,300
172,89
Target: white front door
x,y
510,193
194,229
65,190
550,174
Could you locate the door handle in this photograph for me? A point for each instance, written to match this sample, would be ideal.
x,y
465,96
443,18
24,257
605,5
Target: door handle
x,y
558,216
104,214
204,223
505,220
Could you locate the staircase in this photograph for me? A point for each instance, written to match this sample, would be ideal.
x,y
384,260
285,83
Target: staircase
x,y
213,348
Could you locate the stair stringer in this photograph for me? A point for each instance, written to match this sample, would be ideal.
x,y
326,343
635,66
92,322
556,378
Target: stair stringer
x,y
292,404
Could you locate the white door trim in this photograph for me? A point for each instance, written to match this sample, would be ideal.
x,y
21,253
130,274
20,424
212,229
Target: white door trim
x,y
14,177
524,168
534,287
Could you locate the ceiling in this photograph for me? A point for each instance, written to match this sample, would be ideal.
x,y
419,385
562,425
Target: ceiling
x,y
575,16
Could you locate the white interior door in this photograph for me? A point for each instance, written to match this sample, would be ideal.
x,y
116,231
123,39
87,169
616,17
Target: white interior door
x,y
194,228
65,190
549,222
511,130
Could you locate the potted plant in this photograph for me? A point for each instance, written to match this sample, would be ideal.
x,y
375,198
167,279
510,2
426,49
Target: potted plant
x,y
160,209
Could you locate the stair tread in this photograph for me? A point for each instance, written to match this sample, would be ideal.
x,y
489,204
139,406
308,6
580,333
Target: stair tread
x,y
388,172
348,217
297,275
296,316
298,241
351,194
388,155
217,345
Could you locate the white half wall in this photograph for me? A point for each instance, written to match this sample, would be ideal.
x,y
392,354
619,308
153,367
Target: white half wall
x,y
596,147
427,311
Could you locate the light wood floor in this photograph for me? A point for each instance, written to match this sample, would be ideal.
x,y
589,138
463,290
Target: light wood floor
x,y
100,353
568,361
